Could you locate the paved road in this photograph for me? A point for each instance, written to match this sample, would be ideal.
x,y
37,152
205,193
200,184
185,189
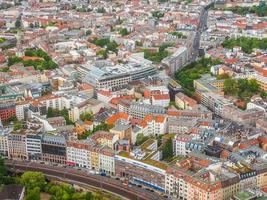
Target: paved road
x,y
109,184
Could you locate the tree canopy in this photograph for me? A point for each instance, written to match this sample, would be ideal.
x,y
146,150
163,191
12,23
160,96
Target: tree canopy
x,y
140,139
44,63
86,116
247,44
260,10
124,32
193,71
167,151
243,89
32,180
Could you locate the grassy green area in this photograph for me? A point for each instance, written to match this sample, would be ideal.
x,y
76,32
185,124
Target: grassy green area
x,y
193,71
44,63
247,44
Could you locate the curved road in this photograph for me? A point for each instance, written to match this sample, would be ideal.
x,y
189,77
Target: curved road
x,y
105,183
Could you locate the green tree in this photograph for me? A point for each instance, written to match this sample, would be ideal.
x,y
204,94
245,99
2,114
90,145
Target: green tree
x,y
13,60
86,116
88,32
231,87
140,139
50,112
167,151
123,32
18,23
17,125
2,167
32,180
33,194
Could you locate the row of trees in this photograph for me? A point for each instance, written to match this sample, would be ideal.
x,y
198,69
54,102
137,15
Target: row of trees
x,y
247,44
35,183
44,63
260,10
243,89
194,71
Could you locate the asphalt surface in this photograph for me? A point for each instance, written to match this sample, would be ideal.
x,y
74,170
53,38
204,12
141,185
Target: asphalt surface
x,y
109,184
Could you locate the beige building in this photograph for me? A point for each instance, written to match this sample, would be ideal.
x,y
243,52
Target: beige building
x,y
91,105
17,146
4,144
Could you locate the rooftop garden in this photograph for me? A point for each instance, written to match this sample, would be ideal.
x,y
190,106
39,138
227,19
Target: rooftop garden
x,y
154,163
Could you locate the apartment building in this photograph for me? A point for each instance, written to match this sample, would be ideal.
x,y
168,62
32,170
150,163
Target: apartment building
x,y
209,84
215,102
107,161
184,102
4,144
179,144
54,149
180,126
154,125
104,138
33,146
176,60
17,145
150,175
140,110
7,110
91,106
78,154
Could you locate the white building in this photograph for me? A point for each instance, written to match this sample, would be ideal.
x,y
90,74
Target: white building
x,y
107,161
78,154
33,146
176,60
179,144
